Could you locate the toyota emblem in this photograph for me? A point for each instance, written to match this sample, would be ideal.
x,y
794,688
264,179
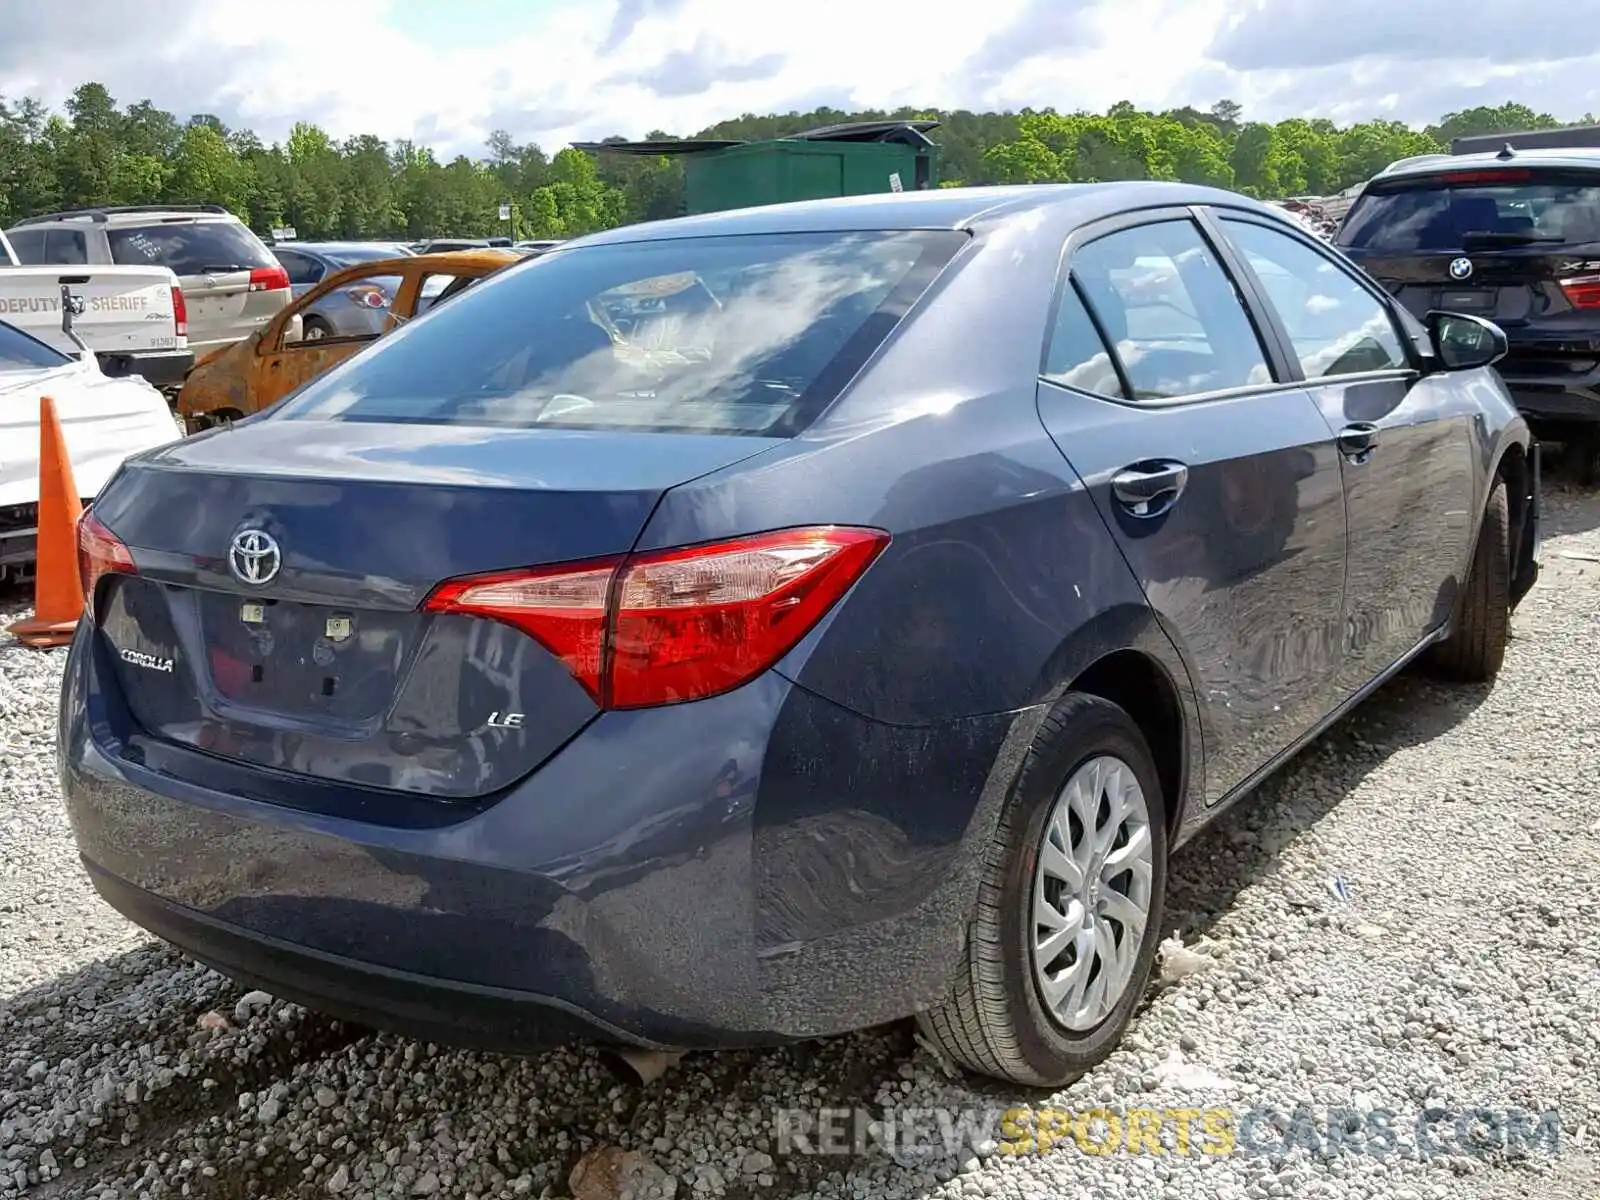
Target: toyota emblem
x,y
254,556
1460,268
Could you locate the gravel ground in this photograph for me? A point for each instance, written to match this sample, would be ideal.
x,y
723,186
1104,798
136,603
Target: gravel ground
x,y
1407,919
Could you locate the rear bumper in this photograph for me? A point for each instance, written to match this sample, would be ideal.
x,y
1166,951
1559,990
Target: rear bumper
x,y
162,370
750,869
419,1006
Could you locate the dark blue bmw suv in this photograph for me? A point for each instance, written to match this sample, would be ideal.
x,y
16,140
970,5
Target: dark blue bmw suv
x,y
1510,234
758,626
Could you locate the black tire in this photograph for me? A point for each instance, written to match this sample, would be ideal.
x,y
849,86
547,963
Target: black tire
x,y
1476,647
324,330
993,1020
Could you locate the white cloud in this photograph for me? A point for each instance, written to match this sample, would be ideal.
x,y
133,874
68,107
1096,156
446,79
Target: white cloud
x,y
570,70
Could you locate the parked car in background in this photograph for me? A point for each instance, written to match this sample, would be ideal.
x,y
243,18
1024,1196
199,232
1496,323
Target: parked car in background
x,y
232,285
539,246
945,560
328,322
445,245
134,320
103,420
356,311
1513,237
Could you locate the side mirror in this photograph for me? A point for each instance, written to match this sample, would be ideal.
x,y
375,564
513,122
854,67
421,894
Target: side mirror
x,y
294,330
1462,342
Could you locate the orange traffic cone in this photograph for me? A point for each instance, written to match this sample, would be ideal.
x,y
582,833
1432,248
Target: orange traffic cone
x,y
57,586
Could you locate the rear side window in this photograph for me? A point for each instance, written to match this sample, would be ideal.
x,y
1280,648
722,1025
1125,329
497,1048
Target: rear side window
x,y
190,247
1170,311
28,245
19,352
746,334
66,246
1335,325
1077,357
1475,210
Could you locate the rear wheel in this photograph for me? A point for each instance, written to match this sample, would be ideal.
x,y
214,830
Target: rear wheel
x,y
1069,908
315,329
1476,647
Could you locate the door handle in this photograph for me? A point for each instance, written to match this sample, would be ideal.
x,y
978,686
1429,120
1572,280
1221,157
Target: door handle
x,y
1150,489
1359,440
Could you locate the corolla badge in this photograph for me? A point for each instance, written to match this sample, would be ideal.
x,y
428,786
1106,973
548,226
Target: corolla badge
x,y
254,557
150,662
1460,268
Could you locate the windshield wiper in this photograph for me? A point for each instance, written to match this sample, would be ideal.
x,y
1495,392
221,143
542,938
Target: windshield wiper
x,y
217,268
1507,239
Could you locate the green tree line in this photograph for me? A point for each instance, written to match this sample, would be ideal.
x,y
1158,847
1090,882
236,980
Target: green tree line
x,y
96,152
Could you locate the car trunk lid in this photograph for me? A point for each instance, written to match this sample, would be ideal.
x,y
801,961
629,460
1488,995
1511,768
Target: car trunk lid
x,y
325,666
1509,283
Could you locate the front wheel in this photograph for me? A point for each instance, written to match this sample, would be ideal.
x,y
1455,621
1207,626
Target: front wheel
x,y
1069,908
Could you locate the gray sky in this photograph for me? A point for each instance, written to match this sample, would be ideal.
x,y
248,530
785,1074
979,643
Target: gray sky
x,y
558,70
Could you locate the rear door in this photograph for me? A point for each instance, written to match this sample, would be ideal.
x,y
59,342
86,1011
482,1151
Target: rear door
x,y
1518,245
1215,473
232,285
1406,444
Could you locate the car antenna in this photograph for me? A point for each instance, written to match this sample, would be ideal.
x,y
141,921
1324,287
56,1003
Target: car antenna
x,y
1508,152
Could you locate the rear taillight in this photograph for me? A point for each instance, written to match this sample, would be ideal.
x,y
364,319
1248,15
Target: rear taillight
x,y
564,609
668,626
368,295
1582,291
269,279
100,552
180,311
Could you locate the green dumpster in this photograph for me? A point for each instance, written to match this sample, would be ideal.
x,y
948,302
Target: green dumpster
x,y
855,159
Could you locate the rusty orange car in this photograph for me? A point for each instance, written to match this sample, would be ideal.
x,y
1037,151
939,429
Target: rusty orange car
x,y
298,344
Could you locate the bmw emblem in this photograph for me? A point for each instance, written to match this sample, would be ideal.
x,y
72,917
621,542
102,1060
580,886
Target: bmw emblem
x,y
1460,268
254,557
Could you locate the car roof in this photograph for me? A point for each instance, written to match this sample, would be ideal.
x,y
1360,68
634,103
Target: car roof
x,y
477,255
940,208
1446,164
174,217
329,247
130,214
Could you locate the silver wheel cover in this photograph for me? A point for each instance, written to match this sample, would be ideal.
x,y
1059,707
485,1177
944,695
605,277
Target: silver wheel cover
x,y
1091,893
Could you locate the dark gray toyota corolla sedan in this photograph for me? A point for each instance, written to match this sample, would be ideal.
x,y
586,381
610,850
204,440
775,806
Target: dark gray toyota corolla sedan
x,y
763,625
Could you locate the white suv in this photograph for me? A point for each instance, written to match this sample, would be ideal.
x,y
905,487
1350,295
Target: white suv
x,y
232,285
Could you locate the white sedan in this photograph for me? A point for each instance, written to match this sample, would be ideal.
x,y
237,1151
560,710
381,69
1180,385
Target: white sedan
x,y
103,420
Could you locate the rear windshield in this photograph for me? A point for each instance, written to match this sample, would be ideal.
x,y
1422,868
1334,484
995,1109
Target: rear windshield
x,y
1480,210
190,247
751,334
